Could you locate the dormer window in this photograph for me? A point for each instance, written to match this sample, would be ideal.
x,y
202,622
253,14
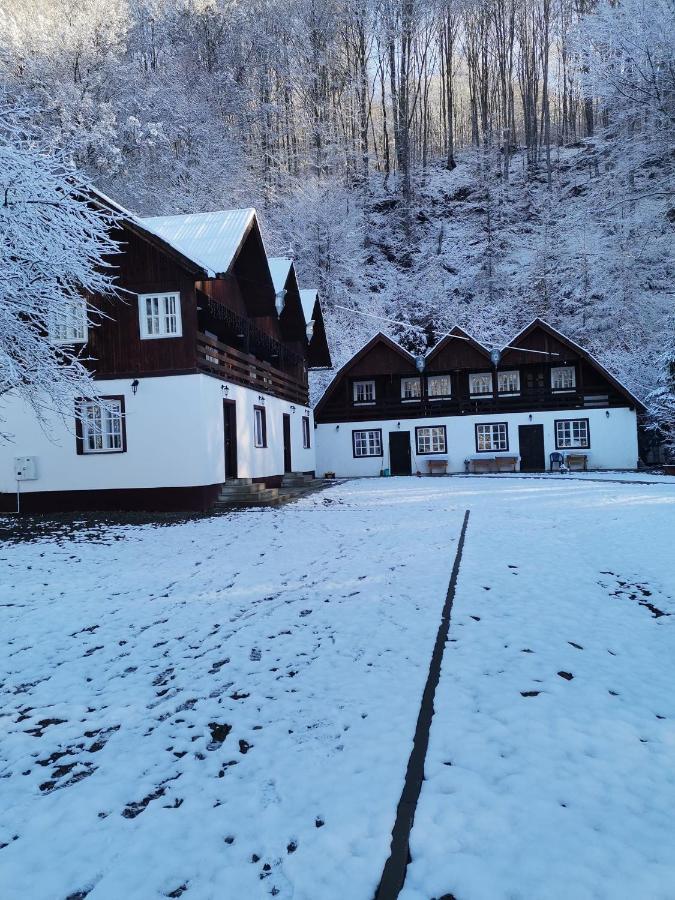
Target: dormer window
x,y
364,392
411,389
480,384
563,378
508,382
68,324
159,315
439,386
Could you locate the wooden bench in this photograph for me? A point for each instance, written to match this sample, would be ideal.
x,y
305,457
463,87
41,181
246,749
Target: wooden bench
x,y
491,464
438,466
576,462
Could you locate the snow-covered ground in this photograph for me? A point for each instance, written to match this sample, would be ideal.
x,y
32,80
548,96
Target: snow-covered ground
x,y
224,708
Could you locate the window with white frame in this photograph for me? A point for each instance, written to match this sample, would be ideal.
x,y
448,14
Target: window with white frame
x,y
494,436
259,427
411,388
508,382
570,433
480,384
563,378
306,439
68,324
439,386
364,392
101,425
159,315
431,439
367,443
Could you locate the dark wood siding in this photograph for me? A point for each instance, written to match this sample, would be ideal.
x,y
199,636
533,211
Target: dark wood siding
x,y
115,343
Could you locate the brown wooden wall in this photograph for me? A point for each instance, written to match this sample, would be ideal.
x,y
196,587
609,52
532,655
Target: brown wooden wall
x,y
115,342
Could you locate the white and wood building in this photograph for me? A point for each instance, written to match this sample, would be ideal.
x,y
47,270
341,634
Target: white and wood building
x,y
539,401
202,369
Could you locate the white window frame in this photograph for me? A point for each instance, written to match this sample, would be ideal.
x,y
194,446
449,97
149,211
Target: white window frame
x,y
155,323
431,379
69,323
477,378
367,389
565,437
414,398
431,439
102,422
508,382
259,427
371,444
564,371
306,433
494,435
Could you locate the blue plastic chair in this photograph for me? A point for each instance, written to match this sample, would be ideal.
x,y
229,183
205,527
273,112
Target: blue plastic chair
x,y
556,457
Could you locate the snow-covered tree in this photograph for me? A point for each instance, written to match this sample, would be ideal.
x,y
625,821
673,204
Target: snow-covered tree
x,y
55,252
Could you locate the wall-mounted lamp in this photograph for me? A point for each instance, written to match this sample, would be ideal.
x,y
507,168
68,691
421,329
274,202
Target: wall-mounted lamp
x,y
530,417
292,408
306,412
398,424
309,330
420,363
280,301
607,413
337,427
261,399
225,388
495,357
134,386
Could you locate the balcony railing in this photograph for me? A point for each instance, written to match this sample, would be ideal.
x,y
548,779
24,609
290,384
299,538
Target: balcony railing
x,y
243,368
527,401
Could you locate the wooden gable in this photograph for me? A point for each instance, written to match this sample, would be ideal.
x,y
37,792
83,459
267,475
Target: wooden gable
x,y
456,351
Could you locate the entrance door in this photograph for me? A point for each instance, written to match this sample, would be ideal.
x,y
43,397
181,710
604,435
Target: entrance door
x,y
531,440
230,427
288,464
400,462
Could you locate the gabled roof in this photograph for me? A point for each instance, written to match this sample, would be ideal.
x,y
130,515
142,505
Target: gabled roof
x,y
280,266
379,338
584,354
211,239
308,297
454,334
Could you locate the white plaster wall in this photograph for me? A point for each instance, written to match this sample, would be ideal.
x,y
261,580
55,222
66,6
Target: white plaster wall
x,y
174,428
613,440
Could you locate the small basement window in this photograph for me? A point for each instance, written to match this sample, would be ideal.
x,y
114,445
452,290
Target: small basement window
x,y
439,386
259,427
431,439
367,443
364,392
493,437
563,378
101,426
480,384
572,433
411,388
159,315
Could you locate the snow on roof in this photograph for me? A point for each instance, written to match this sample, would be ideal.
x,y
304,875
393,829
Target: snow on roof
x,y
280,266
308,299
209,239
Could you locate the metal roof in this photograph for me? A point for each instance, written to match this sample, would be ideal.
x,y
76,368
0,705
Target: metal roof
x,y
212,239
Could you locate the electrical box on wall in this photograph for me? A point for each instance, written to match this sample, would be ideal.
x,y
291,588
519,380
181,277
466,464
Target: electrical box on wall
x,y
25,468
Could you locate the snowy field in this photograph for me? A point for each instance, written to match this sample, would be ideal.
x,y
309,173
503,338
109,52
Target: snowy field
x,y
224,708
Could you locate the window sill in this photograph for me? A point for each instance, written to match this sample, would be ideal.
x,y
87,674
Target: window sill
x,y
436,399
364,403
481,396
411,399
159,337
563,390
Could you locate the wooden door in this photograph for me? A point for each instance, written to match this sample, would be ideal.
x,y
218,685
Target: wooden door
x,y
400,458
531,441
288,462
230,435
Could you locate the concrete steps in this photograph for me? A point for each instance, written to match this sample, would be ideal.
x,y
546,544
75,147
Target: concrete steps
x,y
243,492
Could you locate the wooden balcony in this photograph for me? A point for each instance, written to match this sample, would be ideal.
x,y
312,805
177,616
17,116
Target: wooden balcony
x,y
530,401
237,367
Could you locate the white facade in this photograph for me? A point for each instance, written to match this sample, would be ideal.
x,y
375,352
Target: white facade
x,y
613,440
174,438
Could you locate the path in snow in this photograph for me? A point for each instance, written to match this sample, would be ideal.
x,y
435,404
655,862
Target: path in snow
x,y
224,708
